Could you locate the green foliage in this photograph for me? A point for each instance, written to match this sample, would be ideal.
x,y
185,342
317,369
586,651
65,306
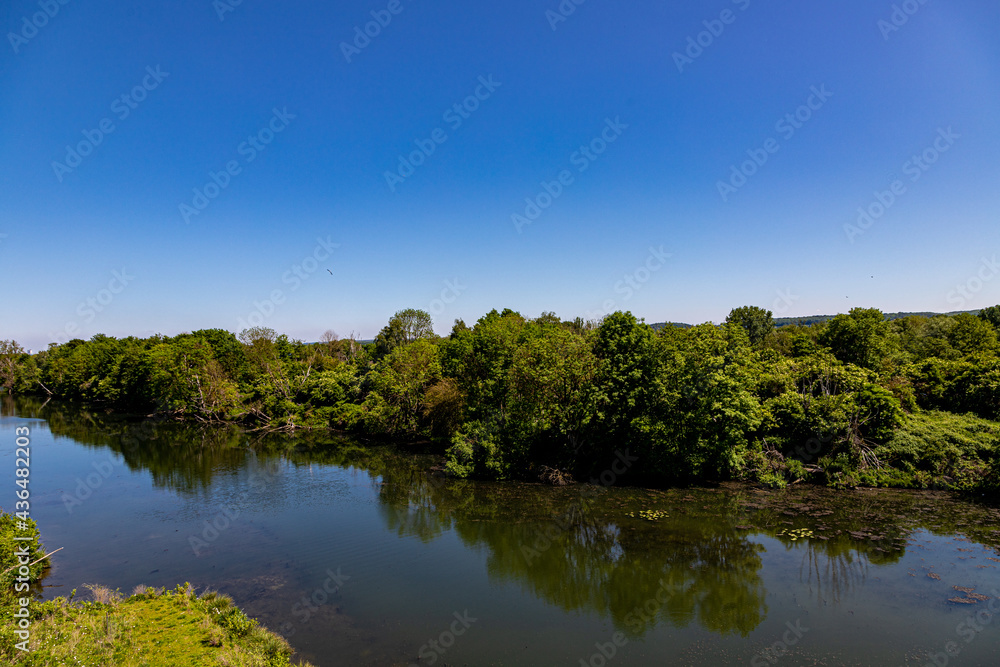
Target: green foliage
x,y
398,384
702,407
510,394
9,561
330,387
630,362
758,322
11,358
476,452
173,627
991,315
405,327
480,360
861,337
945,445
185,377
547,383
444,408
973,335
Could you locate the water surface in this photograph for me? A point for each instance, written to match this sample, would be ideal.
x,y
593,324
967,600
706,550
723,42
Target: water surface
x,y
360,556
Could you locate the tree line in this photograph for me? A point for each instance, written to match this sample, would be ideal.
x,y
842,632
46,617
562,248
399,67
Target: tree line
x,y
857,399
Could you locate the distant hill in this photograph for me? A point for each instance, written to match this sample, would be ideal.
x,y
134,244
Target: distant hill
x,y
816,319
679,325
809,320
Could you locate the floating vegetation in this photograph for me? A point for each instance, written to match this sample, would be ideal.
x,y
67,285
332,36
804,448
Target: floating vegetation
x,y
796,533
649,515
934,575
971,597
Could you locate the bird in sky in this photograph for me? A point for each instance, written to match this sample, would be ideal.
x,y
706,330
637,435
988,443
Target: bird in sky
x,y
329,271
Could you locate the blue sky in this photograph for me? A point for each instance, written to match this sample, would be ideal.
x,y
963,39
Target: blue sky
x,y
310,234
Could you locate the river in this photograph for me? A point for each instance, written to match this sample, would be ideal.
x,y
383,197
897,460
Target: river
x,y
360,556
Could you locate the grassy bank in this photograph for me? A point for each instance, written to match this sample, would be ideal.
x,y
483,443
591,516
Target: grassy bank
x,y
929,450
150,627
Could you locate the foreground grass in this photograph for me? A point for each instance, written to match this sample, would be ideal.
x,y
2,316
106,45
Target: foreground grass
x,y
154,628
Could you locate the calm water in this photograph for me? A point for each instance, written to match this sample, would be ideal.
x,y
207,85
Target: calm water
x,y
359,556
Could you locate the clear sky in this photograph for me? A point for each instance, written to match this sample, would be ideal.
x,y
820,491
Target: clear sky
x,y
167,168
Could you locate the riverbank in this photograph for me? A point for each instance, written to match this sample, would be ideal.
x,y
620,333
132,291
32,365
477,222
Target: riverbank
x,y
856,400
149,627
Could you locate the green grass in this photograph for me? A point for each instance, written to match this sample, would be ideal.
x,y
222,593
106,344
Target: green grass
x,y
957,449
154,628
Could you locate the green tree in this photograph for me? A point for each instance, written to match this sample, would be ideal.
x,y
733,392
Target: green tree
x,y
973,335
264,350
991,314
550,376
480,360
862,337
187,379
757,322
405,327
627,376
227,350
11,354
398,386
704,408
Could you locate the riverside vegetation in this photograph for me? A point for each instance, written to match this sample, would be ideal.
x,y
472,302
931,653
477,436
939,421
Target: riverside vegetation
x,y
149,627
857,400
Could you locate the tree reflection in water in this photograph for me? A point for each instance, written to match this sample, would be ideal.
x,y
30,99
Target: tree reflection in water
x,y
574,547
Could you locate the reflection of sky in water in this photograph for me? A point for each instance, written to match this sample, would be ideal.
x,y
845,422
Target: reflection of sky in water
x,y
545,581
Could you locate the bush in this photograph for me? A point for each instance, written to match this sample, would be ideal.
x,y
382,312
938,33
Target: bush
x,y
475,452
941,444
